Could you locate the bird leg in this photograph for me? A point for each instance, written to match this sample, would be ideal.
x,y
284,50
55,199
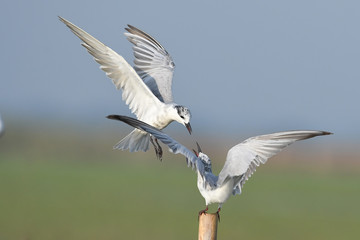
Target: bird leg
x,y
203,211
157,151
218,213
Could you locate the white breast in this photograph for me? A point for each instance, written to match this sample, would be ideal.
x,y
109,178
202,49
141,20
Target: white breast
x,y
159,118
217,195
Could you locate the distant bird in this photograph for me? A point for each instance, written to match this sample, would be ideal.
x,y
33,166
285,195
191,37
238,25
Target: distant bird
x,y
2,130
240,164
146,87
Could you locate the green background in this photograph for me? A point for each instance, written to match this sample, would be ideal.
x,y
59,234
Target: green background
x,y
60,184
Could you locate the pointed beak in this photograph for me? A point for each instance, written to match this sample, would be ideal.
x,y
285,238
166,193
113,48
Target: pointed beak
x,y
197,154
199,148
188,126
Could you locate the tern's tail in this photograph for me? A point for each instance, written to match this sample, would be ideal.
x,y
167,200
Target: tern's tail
x,y
136,141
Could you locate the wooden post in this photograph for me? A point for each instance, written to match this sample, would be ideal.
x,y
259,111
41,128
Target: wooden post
x,y
208,226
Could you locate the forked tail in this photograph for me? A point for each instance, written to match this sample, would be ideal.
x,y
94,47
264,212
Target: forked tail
x,y
136,141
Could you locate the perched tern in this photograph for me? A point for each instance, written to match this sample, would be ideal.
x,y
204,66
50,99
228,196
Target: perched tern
x,y
240,164
146,87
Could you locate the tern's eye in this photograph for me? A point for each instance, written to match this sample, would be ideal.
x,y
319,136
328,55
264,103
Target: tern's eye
x,y
182,117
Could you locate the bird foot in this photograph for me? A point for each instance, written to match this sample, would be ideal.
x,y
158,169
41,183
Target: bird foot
x,y
158,154
203,212
160,151
218,214
157,148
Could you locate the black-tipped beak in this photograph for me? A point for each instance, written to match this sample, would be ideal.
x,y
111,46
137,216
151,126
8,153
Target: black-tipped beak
x,y
197,154
188,126
199,148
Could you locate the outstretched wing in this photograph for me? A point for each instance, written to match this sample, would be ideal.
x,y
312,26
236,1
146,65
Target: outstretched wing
x,y
242,159
152,62
135,93
174,146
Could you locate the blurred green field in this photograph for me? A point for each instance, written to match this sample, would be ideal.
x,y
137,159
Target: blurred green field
x,y
62,185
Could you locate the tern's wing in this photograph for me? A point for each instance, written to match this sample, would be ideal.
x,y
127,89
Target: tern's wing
x,y
242,159
152,62
135,93
175,147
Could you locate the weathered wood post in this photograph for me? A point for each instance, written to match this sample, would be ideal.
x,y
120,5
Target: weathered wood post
x,y
208,226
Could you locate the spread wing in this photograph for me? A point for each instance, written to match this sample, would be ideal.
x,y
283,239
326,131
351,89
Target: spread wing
x,y
152,62
135,93
175,147
242,159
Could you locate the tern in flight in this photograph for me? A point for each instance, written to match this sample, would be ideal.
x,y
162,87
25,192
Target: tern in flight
x,y
146,88
240,164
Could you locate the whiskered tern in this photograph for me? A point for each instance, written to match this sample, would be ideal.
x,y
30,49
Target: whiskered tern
x,y
240,164
146,88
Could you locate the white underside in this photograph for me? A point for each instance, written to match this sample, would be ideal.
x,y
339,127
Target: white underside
x,y
218,195
139,140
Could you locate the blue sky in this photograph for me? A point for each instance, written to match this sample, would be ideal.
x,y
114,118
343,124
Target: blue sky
x,y
241,66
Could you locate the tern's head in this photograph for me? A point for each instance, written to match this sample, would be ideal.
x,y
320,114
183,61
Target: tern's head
x,y
183,116
206,161
204,158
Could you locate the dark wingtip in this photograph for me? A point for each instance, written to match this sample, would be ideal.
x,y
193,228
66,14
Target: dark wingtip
x,y
130,121
327,133
128,28
62,19
114,117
